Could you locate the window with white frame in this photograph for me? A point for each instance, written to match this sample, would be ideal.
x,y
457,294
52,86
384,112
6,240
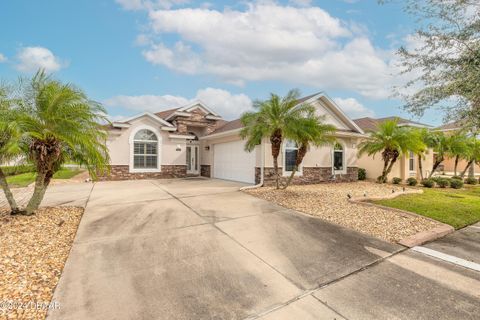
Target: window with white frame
x,y
145,150
290,155
411,161
338,157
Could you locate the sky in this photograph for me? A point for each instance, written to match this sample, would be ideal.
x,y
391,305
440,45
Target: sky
x,y
150,55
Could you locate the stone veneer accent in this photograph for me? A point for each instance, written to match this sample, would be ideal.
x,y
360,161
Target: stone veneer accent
x,y
205,170
311,175
197,119
121,172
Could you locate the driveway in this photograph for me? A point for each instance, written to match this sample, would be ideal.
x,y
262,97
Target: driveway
x,y
200,249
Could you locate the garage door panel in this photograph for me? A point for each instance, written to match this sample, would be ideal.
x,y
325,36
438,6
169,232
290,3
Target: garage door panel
x,y
232,162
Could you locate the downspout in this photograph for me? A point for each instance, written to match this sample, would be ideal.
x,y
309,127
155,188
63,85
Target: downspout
x,y
262,169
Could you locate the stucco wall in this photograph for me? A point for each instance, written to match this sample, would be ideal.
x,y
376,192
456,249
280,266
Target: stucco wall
x,y
449,165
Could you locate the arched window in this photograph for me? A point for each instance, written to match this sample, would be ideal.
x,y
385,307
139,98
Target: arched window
x,y
338,157
145,150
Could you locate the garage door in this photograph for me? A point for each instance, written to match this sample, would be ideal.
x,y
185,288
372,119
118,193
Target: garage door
x,y
232,162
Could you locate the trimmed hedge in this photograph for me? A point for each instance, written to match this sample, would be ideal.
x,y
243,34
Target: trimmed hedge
x,y
362,174
442,182
14,170
456,183
428,183
396,180
412,181
471,181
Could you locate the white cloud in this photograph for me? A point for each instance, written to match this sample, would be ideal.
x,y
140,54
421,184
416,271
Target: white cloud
x,y
30,59
228,105
267,41
2,58
353,108
149,4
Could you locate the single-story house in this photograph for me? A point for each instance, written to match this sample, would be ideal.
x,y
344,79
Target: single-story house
x,y
405,167
194,140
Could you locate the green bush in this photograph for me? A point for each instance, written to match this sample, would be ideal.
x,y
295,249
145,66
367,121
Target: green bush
x,y
471,180
456,183
396,180
428,183
442,182
457,177
362,174
14,170
380,179
436,179
412,181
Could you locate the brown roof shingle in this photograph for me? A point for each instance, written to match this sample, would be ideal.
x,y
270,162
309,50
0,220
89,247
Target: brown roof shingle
x,y
165,113
371,124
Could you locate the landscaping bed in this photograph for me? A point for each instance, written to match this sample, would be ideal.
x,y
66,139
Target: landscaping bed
x,y
330,202
33,251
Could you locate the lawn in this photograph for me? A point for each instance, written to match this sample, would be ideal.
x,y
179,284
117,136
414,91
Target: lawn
x,y
457,208
24,179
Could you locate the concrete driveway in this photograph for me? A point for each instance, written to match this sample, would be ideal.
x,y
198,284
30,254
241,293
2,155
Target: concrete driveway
x,y
200,249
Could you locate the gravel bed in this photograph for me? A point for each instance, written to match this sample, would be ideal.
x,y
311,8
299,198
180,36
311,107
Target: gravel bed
x,y
330,202
33,251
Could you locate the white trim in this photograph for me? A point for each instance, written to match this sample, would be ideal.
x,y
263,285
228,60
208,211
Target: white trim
x,y
168,128
120,125
416,125
131,168
151,115
335,108
181,136
344,158
210,117
196,103
221,134
178,114
288,173
449,258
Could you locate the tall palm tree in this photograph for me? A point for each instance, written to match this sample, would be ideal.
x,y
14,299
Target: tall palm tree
x,y
61,124
9,142
473,155
458,147
311,131
391,140
276,119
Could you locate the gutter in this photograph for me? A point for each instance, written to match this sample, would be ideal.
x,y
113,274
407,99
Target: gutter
x,y
262,170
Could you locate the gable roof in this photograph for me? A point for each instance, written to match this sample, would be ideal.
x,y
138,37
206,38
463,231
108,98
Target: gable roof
x,y
145,114
197,103
165,113
371,124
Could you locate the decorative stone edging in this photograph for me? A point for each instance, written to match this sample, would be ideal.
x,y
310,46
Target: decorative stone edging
x,y
418,238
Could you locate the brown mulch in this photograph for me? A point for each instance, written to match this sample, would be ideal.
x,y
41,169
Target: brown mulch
x,y
330,202
33,251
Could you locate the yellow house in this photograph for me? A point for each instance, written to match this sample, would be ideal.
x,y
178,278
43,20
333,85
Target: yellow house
x,y
406,166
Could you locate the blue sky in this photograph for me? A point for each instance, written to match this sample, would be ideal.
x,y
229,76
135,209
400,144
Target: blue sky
x,y
136,55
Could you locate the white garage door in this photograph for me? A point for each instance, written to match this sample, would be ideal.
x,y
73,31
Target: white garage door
x,y
232,162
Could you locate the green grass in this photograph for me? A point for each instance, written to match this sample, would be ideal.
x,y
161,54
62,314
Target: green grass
x,y
457,208
24,179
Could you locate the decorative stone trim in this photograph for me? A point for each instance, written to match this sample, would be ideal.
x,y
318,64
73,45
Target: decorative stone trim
x,y
311,175
205,170
121,172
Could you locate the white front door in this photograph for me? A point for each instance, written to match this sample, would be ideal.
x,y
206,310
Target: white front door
x,y
192,160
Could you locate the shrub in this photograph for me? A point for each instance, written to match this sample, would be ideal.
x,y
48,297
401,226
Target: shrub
x,y
456,183
380,179
457,177
14,170
428,183
471,180
442,182
436,179
412,181
396,180
362,174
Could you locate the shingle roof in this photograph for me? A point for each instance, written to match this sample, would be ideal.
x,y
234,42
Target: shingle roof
x,y
451,125
229,125
165,113
371,124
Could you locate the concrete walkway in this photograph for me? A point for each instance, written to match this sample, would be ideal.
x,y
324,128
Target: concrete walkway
x,y
200,249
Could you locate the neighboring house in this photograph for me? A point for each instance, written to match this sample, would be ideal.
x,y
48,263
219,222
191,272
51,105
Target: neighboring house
x,y
406,166
195,140
448,166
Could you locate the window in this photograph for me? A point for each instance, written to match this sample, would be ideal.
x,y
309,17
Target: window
x,y
291,150
145,150
338,157
411,162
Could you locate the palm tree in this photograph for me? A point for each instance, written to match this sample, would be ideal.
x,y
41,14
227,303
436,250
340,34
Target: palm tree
x,y
277,119
458,147
441,147
473,155
310,131
391,141
428,140
9,142
61,124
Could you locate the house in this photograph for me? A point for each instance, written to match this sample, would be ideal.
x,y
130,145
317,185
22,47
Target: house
x,y
448,166
405,167
194,140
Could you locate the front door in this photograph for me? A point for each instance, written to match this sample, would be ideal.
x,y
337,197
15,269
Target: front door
x,y
192,160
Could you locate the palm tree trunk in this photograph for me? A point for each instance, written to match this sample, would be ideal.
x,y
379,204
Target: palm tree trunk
x,y
435,166
41,184
302,151
392,162
420,166
8,193
466,168
457,157
384,171
276,141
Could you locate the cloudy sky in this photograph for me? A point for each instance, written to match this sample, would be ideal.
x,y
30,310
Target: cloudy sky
x,y
138,55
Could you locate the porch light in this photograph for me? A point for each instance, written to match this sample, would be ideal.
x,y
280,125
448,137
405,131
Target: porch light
x,y
207,148
179,148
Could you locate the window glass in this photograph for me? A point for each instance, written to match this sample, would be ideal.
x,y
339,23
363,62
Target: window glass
x,y
411,162
338,157
291,150
145,150
145,135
